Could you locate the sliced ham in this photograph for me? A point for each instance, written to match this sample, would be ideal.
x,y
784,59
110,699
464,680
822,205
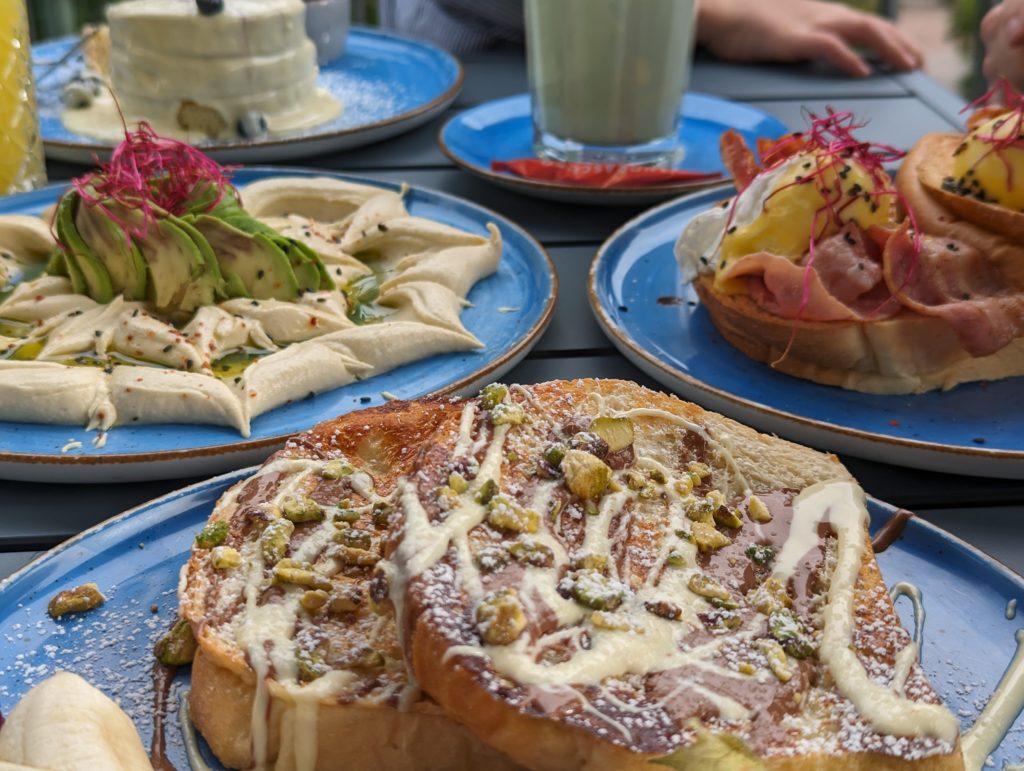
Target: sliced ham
x,y
844,284
958,284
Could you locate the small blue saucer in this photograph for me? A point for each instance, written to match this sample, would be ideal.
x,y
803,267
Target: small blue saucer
x,y
502,130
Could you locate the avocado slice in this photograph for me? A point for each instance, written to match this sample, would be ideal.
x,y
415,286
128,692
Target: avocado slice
x,y
119,254
254,260
208,286
87,273
174,262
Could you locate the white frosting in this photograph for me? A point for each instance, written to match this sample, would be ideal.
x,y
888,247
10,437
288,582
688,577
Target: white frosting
x,y
1000,712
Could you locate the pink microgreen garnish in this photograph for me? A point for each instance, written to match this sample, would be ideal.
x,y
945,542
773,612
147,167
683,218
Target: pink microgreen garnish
x,y
152,175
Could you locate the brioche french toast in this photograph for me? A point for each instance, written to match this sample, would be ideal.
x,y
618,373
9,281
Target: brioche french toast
x,y
297,667
578,574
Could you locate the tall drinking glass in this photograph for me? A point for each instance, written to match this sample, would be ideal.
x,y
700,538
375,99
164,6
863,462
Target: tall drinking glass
x,y
607,78
21,147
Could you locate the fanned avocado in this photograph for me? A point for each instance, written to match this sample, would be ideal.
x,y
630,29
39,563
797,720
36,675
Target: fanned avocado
x,y
119,254
253,260
87,273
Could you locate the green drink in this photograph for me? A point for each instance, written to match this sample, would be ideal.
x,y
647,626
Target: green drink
x,y
607,78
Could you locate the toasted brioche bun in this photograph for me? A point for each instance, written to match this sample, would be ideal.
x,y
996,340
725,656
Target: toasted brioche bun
x,y
908,353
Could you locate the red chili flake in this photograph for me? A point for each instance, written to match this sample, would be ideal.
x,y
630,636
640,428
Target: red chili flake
x,y
39,298
894,423
313,321
600,175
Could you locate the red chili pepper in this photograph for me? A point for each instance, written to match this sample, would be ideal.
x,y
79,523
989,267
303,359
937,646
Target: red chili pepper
x,y
599,174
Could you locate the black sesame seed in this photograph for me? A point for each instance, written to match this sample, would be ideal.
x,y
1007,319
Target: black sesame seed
x,y
731,229
260,274
238,379
382,227
623,309
254,303
978,440
953,247
167,348
189,363
97,332
364,399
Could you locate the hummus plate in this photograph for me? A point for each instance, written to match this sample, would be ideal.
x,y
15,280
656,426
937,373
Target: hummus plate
x,y
508,311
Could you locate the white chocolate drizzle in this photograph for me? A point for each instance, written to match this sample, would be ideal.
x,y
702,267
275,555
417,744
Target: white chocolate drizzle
x,y
1002,709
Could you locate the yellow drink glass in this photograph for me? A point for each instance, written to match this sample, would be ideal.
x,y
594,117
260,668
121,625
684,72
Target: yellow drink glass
x,y
21,147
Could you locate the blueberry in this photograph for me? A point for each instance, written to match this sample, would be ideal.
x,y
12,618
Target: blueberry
x,y
210,7
251,125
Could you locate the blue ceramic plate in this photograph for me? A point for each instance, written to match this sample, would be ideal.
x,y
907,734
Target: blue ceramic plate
x,y
641,303
524,288
502,130
135,558
387,84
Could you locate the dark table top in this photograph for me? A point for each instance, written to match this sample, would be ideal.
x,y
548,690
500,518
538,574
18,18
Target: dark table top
x,y
898,108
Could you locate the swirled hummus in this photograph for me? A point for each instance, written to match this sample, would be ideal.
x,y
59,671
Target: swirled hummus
x,y
389,290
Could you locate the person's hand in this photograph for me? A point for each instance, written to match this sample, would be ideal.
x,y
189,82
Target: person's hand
x,y
793,30
1002,32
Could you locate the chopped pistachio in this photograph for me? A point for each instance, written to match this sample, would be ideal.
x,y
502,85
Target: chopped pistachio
x,y
447,498
291,571
178,647
492,558
664,609
657,475
590,562
555,508
586,475
721,618
301,509
336,469
603,620
650,492
617,432
684,485
770,597
355,537
760,554
708,538
350,555
487,490
381,513
213,534
314,599
492,395
346,516
789,630
500,617
508,413
675,559
588,441
746,668
595,590
274,540
700,510
700,470
727,518
311,665
778,662
706,586
506,514
77,600
532,553
716,498
724,604
458,482
757,510
635,481
554,454
225,558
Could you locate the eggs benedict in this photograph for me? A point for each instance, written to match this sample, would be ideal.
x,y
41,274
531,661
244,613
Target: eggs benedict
x,y
826,269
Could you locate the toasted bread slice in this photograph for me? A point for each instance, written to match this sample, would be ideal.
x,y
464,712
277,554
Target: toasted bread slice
x,y
908,353
592,575
298,668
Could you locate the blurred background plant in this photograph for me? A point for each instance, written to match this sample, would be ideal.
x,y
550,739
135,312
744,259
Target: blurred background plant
x,y
947,30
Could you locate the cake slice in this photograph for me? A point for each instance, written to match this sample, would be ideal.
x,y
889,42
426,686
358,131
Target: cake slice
x,y
591,575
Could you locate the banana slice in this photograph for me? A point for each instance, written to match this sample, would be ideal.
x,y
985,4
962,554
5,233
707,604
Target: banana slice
x,y
64,724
